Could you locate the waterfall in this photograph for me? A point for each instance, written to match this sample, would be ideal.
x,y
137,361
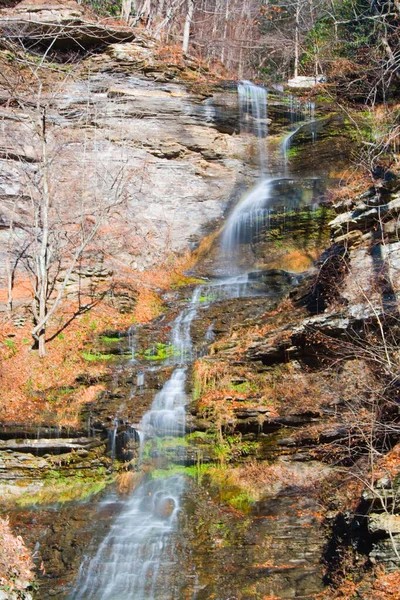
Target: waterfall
x,y
139,548
140,380
253,117
112,439
139,552
300,117
182,347
251,216
248,218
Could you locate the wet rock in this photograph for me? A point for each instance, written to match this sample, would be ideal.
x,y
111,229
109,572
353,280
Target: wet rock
x,y
275,280
165,508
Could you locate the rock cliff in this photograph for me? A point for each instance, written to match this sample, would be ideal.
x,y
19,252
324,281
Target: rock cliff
x,y
126,116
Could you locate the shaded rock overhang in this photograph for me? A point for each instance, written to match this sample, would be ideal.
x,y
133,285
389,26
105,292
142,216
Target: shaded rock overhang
x,y
61,25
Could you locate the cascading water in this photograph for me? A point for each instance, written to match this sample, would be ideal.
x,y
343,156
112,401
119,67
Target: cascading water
x,y
135,551
140,380
248,217
253,117
112,439
182,347
130,562
301,116
132,342
251,216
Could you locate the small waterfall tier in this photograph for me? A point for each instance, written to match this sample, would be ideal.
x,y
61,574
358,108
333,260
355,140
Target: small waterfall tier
x,y
248,218
248,221
132,560
253,101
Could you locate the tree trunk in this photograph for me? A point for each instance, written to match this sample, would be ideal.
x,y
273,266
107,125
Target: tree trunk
x,y
145,13
9,268
188,22
297,40
163,25
160,8
225,31
126,10
39,331
42,343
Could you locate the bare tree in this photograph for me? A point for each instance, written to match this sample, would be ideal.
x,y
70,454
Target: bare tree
x,y
60,222
188,22
126,8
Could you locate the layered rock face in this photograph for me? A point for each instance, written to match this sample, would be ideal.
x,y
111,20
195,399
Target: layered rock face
x,y
125,127
368,228
58,23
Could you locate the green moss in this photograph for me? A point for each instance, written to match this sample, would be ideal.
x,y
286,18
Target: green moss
x,y
170,472
217,478
222,487
61,489
159,352
322,98
292,152
95,356
108,340
200,436
57,394
182,281
245,387
11,345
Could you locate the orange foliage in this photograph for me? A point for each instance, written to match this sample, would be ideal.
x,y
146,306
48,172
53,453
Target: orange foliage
x,y
353,182
148,306
386,586
389,464
38,390
44,390
296,260
16,565
379,586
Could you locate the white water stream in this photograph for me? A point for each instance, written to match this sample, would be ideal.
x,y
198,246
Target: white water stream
x,y
253,101
131,560
135,551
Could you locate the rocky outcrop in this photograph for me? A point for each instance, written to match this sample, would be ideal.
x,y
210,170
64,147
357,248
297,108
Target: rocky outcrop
x,y
368,227
59,24
16,566
383,521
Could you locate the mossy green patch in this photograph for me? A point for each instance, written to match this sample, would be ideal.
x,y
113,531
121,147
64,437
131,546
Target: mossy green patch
x,y
159,352
61,489
292,152
93,356
182,281
108,340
